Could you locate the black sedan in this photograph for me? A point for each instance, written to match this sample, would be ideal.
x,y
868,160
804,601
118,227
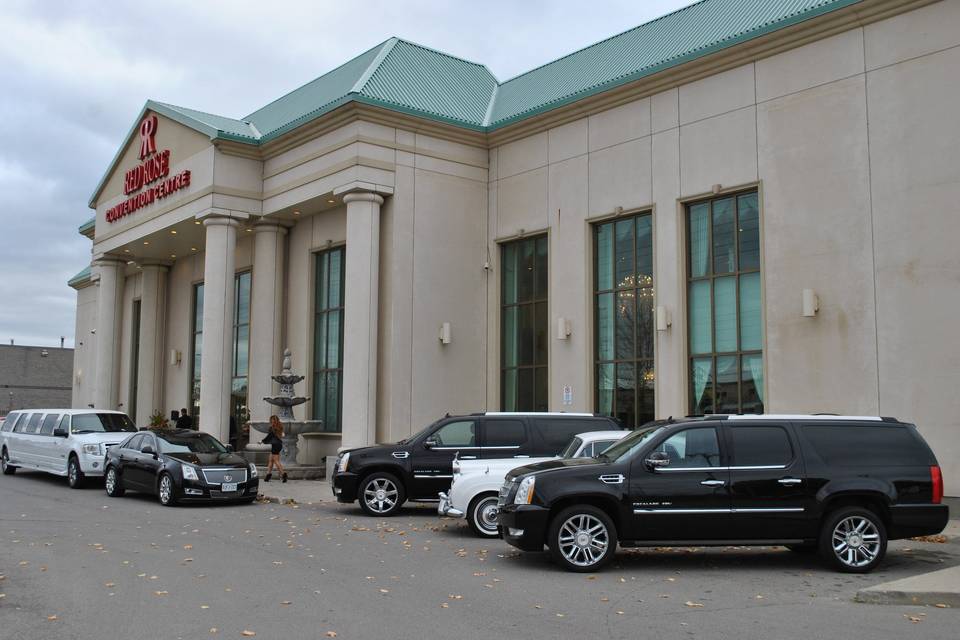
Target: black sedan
x,y
179,465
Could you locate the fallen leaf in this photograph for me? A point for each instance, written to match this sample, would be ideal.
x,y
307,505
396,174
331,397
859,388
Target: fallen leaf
x,y
204,606
159,593
560,615
591,577
109,584
692,604
941,605
188,546
213,629
51,617
604,599
286,602
913,619
445,605
331,634
384,590
248,633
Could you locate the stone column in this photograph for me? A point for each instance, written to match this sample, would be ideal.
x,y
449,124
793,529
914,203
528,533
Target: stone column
x,y
266,316
109,298
153,306
216,356
361,302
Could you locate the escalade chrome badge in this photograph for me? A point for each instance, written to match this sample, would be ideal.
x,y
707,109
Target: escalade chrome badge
x,y
228,478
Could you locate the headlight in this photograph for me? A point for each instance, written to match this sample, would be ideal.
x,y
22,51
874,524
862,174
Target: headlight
x,y
525,492
189,473
342,465
253,470
91,449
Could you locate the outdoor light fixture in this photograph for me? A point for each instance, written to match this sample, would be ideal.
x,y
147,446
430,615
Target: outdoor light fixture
x,y
663,319
563,328
173,231
445,335
295,212
175,357
811,303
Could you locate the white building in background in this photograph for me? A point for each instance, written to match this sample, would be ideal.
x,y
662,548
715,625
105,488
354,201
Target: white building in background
x,y
734,208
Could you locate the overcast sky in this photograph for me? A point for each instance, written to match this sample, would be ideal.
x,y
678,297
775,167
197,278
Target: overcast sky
x,y
74,75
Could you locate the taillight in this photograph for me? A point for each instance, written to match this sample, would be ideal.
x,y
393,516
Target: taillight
x,y
937,479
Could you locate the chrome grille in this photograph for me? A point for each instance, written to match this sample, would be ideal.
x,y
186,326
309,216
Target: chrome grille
x,y
219,476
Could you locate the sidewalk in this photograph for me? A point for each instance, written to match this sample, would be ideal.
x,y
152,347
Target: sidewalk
x,y
295,491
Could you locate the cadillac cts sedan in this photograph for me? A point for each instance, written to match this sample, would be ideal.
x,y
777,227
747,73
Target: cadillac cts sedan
x,y
179,465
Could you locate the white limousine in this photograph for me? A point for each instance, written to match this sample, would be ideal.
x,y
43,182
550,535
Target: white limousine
x,y
65,442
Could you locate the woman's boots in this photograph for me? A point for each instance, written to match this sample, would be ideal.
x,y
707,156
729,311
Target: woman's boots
x,y
266,478
284,476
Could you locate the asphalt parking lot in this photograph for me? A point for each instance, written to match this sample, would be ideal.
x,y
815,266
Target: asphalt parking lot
x,y
77,564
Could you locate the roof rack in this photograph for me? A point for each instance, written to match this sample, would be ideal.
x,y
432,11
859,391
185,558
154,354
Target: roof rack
x,y
797,416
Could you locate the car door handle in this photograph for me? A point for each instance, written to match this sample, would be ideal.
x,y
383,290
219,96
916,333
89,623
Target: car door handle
x,y
521,456
713,483
468,457
788,481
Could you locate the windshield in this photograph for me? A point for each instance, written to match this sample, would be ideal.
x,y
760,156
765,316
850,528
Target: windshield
x,y
189,443
421,432
101,423
572,448
629,444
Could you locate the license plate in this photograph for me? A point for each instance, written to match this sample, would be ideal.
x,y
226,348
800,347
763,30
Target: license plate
x,y
228,487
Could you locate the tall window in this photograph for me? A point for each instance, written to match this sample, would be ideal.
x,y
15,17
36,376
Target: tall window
x,y
723,301
623,307
328,339
239,412
524,325
197,349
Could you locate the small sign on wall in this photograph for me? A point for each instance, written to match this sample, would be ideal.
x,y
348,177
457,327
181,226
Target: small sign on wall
x,y
567,395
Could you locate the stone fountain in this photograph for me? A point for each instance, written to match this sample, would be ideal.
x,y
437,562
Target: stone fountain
x,y
286,400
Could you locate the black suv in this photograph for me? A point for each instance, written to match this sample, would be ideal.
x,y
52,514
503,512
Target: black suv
x,y
843,485
420,467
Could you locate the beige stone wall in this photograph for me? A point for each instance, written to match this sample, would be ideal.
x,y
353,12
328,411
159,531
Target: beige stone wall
x,y
85,348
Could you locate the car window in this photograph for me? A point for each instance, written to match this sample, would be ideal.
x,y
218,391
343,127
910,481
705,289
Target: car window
x,y
102,422
33,424
587,451
504,433
147,441
692,448
46,429
874,445
456,434
600,446
10,421
758,446
571,449
555,433
196,442
64,423
134,443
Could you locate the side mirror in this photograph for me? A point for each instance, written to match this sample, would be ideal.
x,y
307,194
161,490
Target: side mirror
x,y
430,443
148,450
656,460
229,447
60,433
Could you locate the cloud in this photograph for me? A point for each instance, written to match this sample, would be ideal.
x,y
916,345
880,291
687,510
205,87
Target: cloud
x,y
75,75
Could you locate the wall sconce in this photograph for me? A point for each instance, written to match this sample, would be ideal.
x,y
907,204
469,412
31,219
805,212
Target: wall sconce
x,y
79,376
445,335
175,358
663,318
811,303
563,329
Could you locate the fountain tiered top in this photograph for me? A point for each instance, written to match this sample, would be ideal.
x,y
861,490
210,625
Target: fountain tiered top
x,y
285,400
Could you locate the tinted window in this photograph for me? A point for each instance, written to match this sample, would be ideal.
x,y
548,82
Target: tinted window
x,y
867,445
21,423
102,422
10,421
587,451
760,446
555,434
190,443
46,428
692,448
571,449
64,422
456,434
504,433
602,445
134,443
33,424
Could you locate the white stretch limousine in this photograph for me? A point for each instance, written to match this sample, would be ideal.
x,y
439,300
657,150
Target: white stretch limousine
x,y
65,442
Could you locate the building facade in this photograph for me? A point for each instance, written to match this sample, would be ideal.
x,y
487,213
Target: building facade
x,y
34,377
738,207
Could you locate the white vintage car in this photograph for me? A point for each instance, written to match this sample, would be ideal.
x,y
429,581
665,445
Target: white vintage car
x,y
64,442
473,490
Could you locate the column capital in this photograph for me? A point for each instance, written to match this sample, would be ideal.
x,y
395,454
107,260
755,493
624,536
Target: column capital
x,y
156,265
363,196
271,226
219,221
362,187
107,261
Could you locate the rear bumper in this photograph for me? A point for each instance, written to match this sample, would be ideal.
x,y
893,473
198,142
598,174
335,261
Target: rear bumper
x,y
524,526
908,520
445,508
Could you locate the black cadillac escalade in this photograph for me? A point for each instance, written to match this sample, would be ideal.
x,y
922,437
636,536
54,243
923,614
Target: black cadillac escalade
x,y
840,485
383,476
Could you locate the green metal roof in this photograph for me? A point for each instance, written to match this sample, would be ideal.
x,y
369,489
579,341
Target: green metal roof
x,y
88,225
80,277
413,79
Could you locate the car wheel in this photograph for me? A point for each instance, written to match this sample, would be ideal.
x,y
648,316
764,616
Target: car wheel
x,y
482,515
165,491
381,494
7,468
853,540
112,483
582,538
74,474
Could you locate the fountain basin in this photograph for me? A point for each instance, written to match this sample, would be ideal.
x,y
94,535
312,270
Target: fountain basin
x,y
291,435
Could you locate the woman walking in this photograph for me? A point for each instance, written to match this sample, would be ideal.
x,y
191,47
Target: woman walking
x,y
276,446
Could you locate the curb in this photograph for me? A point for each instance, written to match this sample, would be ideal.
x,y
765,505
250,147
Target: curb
x,y
943,599
290,501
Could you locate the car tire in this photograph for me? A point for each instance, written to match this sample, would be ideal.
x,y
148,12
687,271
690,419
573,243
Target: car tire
x,y
582,538
853,539
112,483
381,494
74,474
166,490
7,468
482,515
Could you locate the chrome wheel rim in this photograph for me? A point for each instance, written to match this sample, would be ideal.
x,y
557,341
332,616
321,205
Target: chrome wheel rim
x,y
166,489
583,540
3,461
72,472
380,495
111,481
856,541
486,514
